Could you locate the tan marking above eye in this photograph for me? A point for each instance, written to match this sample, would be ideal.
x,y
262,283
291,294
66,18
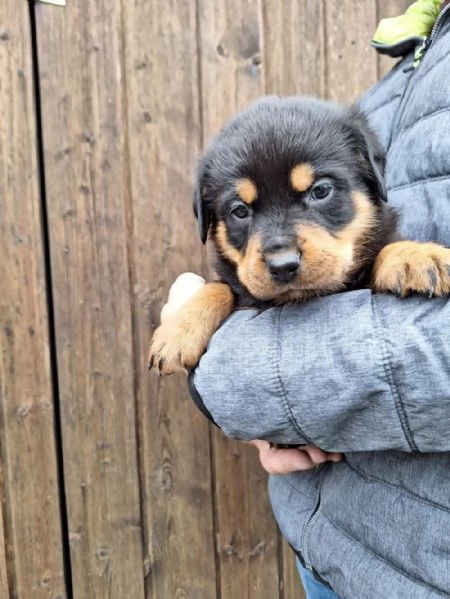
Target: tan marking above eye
x,y
302,177
246,190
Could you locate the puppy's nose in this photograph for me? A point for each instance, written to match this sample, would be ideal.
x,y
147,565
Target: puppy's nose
x,y
283,266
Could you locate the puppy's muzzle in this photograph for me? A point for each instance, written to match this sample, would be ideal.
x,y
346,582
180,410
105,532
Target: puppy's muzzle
x,y
283,265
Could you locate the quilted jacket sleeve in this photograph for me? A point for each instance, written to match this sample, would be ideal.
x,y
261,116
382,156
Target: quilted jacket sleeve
x,y
376,377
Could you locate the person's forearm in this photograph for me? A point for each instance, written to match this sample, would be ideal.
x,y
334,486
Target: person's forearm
x,y
349,372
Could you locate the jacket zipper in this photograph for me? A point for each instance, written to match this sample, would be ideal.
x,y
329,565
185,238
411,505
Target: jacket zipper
x,y
429,39
314,517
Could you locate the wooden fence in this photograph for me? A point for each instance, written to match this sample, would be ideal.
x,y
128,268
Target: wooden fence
x,y
112,485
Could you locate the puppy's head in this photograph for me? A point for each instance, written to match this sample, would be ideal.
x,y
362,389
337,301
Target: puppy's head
x,y
291,191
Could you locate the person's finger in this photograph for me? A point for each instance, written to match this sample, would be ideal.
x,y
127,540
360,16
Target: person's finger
x,y
318,456
335,456
282,461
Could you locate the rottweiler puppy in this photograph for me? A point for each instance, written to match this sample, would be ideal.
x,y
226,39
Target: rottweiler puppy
x,y
291,194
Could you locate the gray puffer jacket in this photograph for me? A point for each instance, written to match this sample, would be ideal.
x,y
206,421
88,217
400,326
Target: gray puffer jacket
x,y
364,374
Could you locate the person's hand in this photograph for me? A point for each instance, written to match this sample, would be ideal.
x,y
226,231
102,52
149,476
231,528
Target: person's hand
x,y
285,461
184,287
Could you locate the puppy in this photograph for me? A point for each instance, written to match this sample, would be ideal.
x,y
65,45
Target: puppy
x,y
292,195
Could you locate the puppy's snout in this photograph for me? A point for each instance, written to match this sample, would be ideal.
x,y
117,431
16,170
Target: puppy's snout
x,y
283,266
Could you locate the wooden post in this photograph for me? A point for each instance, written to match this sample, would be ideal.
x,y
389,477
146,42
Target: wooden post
x,y
30,508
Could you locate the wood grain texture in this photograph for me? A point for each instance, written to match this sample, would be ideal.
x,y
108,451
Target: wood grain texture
x,y
293,61
351,63
29,493
231,47
247,543
164,142
82,79
4,591
389,8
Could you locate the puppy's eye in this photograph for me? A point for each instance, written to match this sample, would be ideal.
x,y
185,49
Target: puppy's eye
x,y
240,211
321,190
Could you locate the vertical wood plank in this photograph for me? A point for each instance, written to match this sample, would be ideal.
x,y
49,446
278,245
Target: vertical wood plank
x,y
82,78
29,491
4,591
231,54
294,57
247,542
389,8
351,63
164,143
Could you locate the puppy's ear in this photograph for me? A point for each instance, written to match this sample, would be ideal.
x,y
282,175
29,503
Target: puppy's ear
x,y
372,151
202,208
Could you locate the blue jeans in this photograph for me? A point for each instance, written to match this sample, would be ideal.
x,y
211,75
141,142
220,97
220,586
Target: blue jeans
x,y
313,588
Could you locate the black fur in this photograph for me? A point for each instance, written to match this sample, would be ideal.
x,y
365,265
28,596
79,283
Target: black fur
x,y
264,143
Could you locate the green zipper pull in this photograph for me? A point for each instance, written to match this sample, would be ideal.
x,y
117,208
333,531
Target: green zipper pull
x,y
420,51
428,40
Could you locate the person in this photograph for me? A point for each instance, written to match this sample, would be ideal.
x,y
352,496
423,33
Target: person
x,y
360,380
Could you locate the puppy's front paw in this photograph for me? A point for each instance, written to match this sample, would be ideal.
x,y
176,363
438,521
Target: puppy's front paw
x,y
407,267
179,343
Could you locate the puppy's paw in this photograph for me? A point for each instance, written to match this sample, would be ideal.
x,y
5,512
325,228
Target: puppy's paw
x,y
407,267
179,343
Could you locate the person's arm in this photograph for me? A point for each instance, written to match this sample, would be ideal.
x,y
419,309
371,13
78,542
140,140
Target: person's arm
x,y
274,460
348,372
